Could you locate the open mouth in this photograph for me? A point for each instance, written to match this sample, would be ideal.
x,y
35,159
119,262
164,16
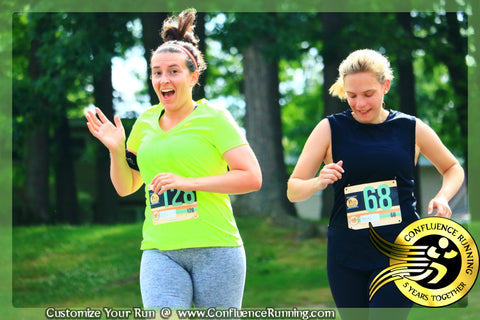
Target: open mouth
x,y
168,93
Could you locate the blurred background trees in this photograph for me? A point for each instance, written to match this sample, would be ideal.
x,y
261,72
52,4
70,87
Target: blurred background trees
x,y
271,70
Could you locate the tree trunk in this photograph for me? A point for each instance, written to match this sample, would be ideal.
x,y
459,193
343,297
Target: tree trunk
x,y
152,27
36,184
106,198
37,157
457,70
406,89
66,188
199,89
333,53
264,133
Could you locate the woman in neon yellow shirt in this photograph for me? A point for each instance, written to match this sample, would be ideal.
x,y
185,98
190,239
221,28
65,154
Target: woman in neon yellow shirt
x,y
190,156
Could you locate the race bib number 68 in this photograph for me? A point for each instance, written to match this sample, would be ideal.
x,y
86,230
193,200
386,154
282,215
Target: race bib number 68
x,y
375,202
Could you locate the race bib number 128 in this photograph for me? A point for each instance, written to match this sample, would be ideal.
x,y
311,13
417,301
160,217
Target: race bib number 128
x,y
375,202
173,205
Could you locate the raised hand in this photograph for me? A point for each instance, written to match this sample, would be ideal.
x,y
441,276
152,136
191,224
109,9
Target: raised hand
x,y
112,135
329,174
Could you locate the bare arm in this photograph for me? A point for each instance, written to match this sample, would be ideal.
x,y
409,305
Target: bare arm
x,y
303,182
430,145
244,176
125,180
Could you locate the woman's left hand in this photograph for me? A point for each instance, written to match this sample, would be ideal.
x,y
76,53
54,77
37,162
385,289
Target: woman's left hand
x,y
442,207
167,180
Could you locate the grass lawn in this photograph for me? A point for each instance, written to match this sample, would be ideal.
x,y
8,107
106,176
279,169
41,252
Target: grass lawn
x,y
98,266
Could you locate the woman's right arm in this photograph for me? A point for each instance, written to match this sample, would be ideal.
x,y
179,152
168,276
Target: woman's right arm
x,y
303,182
125,180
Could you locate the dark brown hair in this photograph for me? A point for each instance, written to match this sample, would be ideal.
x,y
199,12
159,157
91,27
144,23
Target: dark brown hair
x,y
179,32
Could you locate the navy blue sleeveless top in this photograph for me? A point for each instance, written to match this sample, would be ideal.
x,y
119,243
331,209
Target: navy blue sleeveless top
x,y
370,153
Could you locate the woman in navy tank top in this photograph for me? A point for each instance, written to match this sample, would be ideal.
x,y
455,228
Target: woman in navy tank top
x,y
369,149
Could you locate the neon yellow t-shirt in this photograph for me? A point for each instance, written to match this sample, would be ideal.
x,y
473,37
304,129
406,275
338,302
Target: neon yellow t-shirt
x,y
193,148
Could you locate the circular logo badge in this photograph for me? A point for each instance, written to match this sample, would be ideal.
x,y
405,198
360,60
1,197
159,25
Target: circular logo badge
x,y
434,262
352,202
154,198
353,220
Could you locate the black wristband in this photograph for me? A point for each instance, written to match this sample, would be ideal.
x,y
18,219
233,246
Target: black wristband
x,y
132,160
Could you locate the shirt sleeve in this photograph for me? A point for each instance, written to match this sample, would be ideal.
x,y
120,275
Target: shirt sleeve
x,y
133,140
138,130
227,133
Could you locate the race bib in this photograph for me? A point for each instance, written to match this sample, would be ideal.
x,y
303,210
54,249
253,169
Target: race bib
x,y
375,202
173,205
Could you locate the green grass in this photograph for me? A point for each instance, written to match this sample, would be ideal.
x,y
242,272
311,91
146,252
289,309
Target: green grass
x,y
76,266
98,266
283,271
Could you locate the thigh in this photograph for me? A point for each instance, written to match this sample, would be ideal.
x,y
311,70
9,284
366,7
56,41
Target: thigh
x,y
349,286
387,297
349,289
163,282
219,277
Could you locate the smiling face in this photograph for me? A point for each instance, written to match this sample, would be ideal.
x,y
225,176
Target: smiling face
x,y
365,97
172,81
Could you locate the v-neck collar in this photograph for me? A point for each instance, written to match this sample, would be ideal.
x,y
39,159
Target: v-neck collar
x,y
178,125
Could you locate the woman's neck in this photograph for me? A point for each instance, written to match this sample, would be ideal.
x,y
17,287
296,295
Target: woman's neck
x,y
171,117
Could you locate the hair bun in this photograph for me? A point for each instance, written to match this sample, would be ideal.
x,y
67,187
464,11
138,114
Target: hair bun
x,y
180,28
178,35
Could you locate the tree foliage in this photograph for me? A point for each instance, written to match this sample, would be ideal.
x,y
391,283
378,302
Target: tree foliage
x,y
59,59
56,58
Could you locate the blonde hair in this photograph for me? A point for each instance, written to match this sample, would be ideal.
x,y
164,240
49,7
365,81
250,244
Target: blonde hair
x,y
364,60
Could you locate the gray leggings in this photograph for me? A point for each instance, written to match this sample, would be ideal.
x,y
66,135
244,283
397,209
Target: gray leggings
x,y
200,277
